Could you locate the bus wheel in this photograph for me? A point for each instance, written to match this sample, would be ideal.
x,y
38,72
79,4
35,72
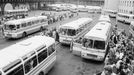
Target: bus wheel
x,y
41,73
41,28
24,34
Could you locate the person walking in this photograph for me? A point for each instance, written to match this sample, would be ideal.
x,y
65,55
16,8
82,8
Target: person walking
x,y
56,35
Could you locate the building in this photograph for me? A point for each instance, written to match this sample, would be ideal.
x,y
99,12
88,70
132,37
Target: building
x,y
126,6
83,2
111,5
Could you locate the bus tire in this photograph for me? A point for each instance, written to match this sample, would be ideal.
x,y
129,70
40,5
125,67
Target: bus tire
x,y
24,34
41,73
41,29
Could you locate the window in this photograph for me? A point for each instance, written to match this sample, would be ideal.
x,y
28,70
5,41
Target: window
x,y
18,26
51,49
87,43
11,27
42,55
37,21
99,44
71,32
30,64
23,24
29,24
17,71
43,20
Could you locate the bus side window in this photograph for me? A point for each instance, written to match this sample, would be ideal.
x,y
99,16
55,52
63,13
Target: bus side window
x,y
17,71
42,55
23,25
29,24
30,64
51,49
18,26
33,22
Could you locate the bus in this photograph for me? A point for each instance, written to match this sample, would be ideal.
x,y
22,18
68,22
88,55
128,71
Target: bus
x,y
111,13
94,9
16,14
125,18
33,56
72,30
23,27
131,28
94,44
104,18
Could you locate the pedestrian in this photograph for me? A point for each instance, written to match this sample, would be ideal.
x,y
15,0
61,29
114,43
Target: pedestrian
x,y
56,35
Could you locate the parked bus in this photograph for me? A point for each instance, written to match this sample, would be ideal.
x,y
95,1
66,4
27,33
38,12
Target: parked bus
x,y
126,18
104,18
111,13
94,44
33,56
131,28
18,13
72,30
23,27
93,9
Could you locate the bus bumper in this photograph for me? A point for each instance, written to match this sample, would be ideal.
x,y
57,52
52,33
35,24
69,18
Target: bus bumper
x,y
92,56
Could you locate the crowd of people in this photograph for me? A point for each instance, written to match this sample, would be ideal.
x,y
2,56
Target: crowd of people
x,y
51,33
120,57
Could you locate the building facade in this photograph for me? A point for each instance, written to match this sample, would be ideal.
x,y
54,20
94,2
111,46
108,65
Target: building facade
x,y
126,6
111,5
83,2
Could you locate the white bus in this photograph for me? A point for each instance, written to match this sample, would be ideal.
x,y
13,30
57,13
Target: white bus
x,y
94,44
33,56
111,13
23,27
104,18
72,30
94,9
16,13
131,28
126,18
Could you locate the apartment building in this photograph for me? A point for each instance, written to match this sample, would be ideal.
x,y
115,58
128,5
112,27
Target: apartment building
x,y
126,6
111,5
126,11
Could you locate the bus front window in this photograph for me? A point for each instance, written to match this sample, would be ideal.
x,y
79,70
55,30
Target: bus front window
x,y
71,32
10,27
87,43
63,31
99,44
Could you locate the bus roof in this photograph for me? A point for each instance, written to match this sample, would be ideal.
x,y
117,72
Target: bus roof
x,y
99,31
104,18
14,52
125,14
18,21
16,10
77,23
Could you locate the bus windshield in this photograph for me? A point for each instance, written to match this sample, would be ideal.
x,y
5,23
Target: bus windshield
x,y
99,44
96,44
87,43
69,32
10,27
